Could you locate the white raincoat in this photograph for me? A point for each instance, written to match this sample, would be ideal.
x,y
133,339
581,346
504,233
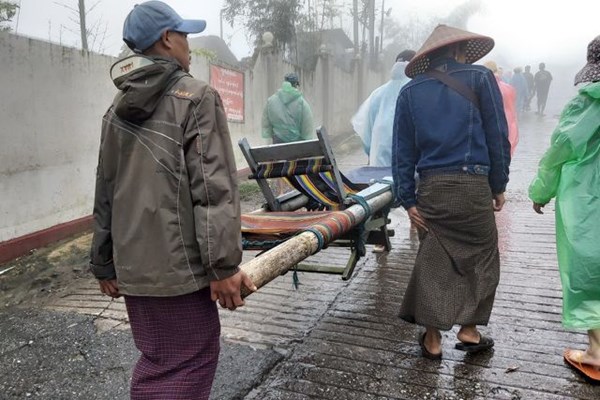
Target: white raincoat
x,y
374,120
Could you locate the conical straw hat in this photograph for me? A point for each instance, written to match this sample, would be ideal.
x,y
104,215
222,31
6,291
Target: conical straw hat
x,y
477,47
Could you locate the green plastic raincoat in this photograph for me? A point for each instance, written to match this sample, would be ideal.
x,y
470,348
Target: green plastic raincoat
x,y
288,116
570,171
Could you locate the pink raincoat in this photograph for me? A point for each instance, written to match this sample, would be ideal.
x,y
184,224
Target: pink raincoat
x,y
509,99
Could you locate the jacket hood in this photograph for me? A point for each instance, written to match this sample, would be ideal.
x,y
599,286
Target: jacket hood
x,y
288,93
142,81
592,90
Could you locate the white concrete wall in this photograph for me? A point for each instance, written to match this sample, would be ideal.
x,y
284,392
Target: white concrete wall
x,y
51,106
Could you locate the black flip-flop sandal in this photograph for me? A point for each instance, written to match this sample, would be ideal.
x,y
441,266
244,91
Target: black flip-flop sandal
x,y
426,353
485,343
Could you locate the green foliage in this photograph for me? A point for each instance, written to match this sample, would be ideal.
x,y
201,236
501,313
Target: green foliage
x,y
415,29
260,16
8,10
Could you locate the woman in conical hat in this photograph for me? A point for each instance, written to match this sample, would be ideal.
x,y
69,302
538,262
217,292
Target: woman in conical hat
x,y
450,127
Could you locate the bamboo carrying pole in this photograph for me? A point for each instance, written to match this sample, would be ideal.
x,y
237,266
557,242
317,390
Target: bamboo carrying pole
x,y
271,264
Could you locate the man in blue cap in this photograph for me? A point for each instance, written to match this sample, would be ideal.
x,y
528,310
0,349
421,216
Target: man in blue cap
x,y
166,211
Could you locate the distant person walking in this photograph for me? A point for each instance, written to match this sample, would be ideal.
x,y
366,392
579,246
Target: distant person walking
x,y
530,86
374,120
542,80
167,209
506,75
287,117
450,126
519,82
570,171
509,100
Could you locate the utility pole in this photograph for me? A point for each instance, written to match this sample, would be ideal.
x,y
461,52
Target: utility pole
x,y
18,17
221,22
381,30
84,43
355,25
372,27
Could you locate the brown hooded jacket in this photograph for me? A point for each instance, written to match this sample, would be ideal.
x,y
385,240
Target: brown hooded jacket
x,y
166,211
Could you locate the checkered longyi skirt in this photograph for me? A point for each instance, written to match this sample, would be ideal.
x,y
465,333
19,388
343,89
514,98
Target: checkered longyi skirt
x,y
179,341
457,268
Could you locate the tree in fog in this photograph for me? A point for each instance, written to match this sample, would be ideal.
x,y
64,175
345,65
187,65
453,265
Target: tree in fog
x,y
411,33
284,18
8,10
407,35
317,15
92,35
260,16
317,20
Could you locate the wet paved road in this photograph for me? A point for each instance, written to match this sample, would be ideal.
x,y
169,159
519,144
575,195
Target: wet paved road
x,y
359,349
342,340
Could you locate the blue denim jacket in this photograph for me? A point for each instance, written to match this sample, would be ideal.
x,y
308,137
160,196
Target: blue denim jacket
x,y
436,129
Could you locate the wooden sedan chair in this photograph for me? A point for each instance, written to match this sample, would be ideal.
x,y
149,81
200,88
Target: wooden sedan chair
x,y
319,188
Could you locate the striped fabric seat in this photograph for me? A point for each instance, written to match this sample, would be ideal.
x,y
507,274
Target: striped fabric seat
x,y
280,169
310,176
321,188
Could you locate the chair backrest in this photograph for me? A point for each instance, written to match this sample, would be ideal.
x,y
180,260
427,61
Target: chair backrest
x,y
289,160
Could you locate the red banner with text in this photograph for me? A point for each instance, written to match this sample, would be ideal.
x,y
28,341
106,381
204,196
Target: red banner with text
x,y
230,85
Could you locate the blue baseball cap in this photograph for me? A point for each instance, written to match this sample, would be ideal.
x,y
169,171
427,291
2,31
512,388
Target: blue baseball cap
x,y
147,21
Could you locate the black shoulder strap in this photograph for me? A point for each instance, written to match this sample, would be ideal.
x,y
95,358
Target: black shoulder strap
x,y
455,84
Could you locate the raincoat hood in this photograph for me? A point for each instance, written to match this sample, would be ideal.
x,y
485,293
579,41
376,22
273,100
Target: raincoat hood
x,y
375,118
288,93
287,117
142,81
398,70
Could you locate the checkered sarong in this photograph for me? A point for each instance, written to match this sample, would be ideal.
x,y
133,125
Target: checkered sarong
x,y
457,268
179,341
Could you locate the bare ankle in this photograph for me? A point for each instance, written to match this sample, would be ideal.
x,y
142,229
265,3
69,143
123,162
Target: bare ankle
x,y
468,334
593,353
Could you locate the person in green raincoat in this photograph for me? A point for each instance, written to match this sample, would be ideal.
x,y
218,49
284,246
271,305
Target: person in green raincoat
x,y
287,116
570,171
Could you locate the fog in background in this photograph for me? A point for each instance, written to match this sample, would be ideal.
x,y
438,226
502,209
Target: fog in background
x,y
534,31
528,32
525,31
